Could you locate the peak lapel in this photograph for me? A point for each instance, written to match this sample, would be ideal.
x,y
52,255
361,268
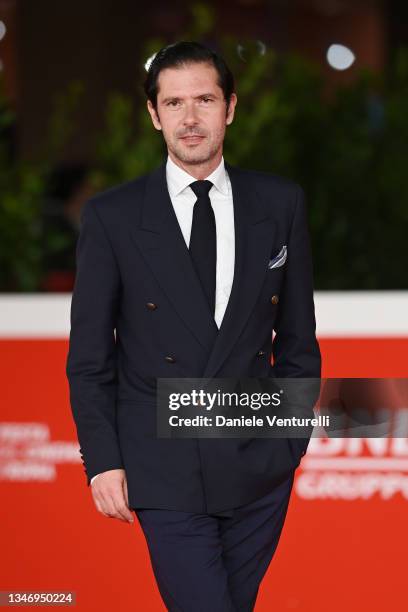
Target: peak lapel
x,y
161,242
254,235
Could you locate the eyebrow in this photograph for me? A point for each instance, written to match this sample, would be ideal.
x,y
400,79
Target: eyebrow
x,y
204,95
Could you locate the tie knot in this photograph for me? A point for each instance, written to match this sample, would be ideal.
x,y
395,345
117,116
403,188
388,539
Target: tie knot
x,y
201,188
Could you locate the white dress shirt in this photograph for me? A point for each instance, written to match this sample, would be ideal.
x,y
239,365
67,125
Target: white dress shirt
x,y
183,199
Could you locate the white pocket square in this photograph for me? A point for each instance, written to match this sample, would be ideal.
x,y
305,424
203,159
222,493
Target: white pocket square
x,y
279,259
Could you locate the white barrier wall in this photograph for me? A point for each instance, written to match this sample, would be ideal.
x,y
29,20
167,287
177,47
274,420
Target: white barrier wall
x,y
338,313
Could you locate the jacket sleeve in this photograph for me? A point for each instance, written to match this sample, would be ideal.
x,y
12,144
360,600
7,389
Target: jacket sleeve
x,y
295,348
91,361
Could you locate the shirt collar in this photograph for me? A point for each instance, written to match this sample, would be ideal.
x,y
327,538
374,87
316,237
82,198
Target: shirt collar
x,y
178,179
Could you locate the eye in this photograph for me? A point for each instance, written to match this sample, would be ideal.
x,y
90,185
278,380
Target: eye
x,y
207,99
173,103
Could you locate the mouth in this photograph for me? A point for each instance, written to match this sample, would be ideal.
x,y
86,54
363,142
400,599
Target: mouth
x,y
192,139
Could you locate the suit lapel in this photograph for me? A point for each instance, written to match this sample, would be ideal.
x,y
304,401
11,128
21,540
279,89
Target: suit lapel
x,y
162,244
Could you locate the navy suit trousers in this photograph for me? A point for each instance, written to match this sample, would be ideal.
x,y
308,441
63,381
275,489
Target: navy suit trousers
x,y
209,563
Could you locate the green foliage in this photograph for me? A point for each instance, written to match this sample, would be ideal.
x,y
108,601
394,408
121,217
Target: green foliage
x,y
347,148
25,242
129,146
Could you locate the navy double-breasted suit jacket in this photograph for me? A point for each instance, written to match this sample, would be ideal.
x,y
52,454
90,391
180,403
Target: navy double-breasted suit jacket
x,y
138,313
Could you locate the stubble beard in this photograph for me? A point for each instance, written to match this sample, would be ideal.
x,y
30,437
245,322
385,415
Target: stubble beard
x,y
194,156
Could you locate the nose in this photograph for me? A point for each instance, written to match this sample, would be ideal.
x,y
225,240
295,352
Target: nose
x,y
190,115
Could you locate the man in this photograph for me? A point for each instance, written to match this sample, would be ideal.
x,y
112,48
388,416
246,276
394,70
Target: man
x,y
193,265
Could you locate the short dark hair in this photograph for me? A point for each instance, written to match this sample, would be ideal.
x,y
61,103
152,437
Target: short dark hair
x,y
183,53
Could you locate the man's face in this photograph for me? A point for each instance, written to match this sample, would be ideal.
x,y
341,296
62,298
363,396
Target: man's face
x,y
191,112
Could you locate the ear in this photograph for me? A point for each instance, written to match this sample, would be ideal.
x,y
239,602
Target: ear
x,y
231,109
154,116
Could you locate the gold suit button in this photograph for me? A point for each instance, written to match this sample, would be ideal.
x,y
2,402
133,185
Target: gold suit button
x,y
170,359
151,306
260,353
275,299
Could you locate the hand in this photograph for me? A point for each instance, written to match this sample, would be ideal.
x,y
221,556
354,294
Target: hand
x,y
110,495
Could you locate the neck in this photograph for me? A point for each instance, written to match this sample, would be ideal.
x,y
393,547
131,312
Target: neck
x,y
198,171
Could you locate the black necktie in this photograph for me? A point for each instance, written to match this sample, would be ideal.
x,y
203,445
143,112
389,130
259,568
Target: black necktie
x,y
203,240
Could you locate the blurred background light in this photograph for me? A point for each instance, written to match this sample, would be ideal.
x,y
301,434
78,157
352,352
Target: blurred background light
x,y
340,57
252,48
3,30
